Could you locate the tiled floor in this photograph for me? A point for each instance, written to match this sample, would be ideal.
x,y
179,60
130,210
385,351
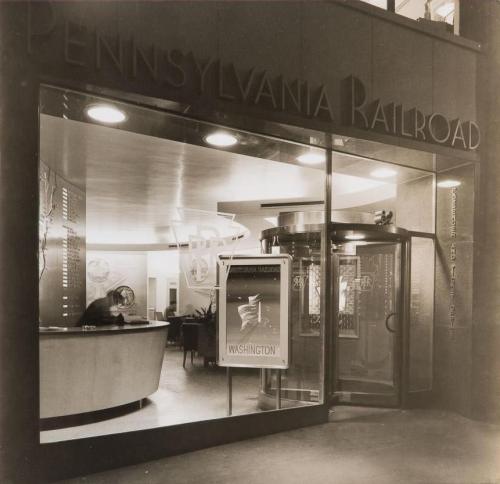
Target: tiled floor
x,y
358,446
185,395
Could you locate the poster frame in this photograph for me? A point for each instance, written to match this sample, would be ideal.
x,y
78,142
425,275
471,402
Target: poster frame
x,y
223,267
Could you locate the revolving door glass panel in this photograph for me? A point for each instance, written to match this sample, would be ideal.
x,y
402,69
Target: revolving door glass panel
x,y
367,282
300,382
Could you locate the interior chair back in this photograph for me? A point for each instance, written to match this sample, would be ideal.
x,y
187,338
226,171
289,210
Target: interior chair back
x,y
190,336
174,329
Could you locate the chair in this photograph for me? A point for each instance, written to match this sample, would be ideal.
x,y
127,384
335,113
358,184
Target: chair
x,y
189,340
174,330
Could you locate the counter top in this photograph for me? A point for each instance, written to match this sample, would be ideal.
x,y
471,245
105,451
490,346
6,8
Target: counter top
x,y
109,328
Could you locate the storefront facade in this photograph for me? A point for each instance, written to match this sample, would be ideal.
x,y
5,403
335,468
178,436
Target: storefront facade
x,y
317,74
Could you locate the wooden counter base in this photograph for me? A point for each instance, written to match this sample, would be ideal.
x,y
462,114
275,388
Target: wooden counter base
x,y
89,370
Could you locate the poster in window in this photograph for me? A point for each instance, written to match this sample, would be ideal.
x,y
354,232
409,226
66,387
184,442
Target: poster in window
x,y
253,311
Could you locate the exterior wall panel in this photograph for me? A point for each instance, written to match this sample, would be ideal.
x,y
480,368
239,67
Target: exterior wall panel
x,y
402,66
454,72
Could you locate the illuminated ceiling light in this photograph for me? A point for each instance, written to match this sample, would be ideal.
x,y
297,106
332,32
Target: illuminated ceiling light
x,y
383,173
105,113
449,183
311,158
221,139
445,9
355,237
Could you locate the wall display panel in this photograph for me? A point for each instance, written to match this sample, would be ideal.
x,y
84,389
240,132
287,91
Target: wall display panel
x,y
61,249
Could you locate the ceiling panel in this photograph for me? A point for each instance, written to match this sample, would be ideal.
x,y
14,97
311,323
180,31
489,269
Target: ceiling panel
x,y
134,182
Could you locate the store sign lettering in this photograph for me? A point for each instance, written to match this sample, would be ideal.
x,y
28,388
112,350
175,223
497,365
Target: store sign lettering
x,y
131,60
212,78
399,120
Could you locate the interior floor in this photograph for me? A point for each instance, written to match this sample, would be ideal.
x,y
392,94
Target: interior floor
x,y
184,395
358,445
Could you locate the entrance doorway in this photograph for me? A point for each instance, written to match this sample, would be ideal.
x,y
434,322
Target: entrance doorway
x,y
369,314
370,297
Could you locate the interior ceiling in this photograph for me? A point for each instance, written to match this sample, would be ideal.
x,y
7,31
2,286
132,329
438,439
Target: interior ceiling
x,y
134,183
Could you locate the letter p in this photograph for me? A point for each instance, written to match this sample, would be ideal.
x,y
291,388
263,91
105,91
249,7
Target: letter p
x,y
41,20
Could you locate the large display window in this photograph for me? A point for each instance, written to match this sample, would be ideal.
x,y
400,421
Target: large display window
x,y
141,208
137,206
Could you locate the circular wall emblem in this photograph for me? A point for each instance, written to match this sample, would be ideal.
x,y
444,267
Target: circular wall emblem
x,y
128,297
199,269
98,270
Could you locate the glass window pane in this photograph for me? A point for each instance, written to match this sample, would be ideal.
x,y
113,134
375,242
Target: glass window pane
x,y
377,3
444,11
301,382
361,187
134,213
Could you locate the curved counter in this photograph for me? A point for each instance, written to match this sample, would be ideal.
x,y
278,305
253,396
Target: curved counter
x,y
84,370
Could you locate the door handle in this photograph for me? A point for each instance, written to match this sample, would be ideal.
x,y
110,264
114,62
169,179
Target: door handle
x,y
389,316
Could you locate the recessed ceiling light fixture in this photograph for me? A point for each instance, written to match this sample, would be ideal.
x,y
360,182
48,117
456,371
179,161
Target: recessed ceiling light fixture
x,y
311,158
221,139
449,183
106,113
355,237
383,173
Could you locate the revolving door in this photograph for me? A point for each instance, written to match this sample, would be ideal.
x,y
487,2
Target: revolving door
x,y
369,270
369,265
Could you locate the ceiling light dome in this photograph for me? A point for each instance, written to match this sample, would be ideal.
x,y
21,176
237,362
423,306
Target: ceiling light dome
x,y
311,158
221,139
449,183
106,113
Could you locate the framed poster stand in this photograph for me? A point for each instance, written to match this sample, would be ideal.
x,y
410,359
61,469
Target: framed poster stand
x,y
253,316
